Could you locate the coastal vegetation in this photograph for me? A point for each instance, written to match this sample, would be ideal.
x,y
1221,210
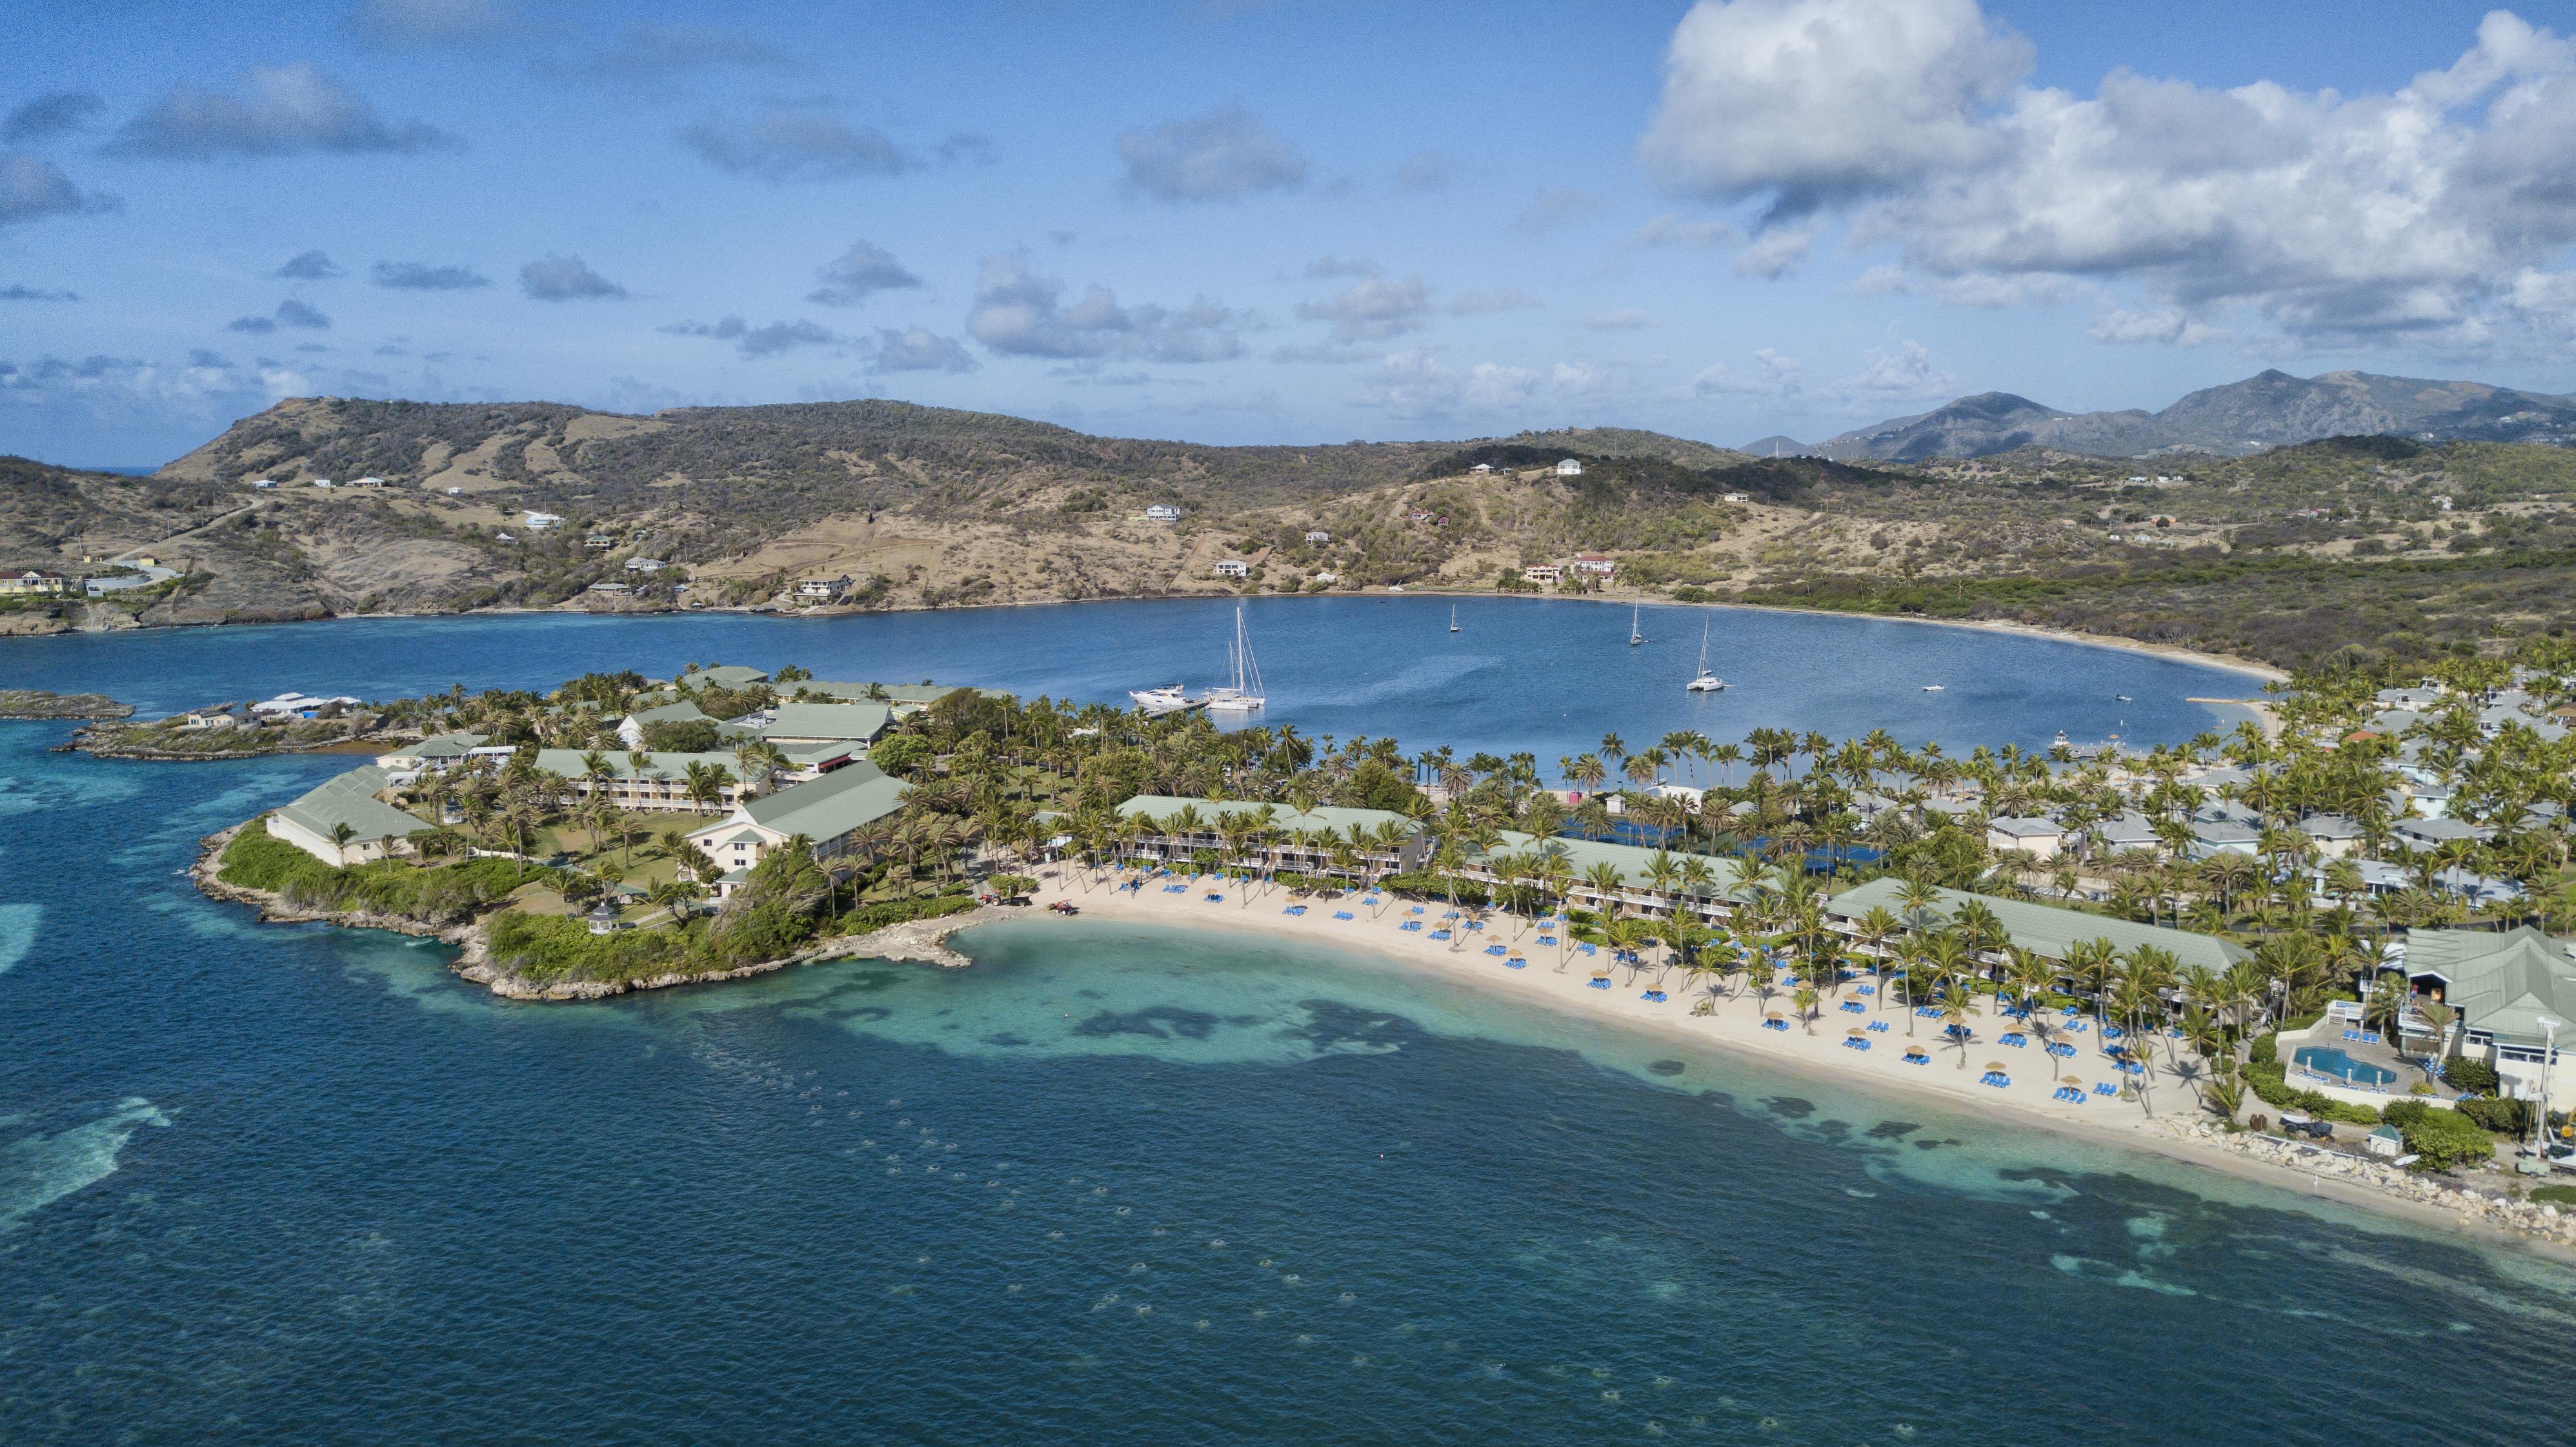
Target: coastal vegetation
x,y
433,896
2354,549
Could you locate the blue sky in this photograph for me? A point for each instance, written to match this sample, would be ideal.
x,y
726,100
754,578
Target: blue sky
x,y
1238,222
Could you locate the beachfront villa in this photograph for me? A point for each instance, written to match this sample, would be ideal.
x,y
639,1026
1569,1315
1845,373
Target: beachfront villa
x,y
828,813
2510,993
2045,930
341,821
661,785
1639,890
1180,837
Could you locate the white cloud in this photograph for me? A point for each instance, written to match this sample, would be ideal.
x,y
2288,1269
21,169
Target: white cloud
x,y
2366,216
1778,377
566,278
277,111
1774,254
1019,313
1416,384
1553,208
1624,319
919,349
1671,230
1372,309
1225,155
795,143
1886,377
762,341
2170,327
866,267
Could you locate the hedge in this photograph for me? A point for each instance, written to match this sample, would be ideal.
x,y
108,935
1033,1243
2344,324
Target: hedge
x,y
2475,1076
2441,1137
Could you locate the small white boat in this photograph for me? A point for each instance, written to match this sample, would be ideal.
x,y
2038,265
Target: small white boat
x,y
1453,617
1244,694
1157,702
2124,698
1634,636
1704,681
1931,688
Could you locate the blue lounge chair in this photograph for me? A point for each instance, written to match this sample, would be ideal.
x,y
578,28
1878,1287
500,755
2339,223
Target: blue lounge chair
x,y
1878,1026
1176,889
1927,1012
2013,1038
1590,948
2078,1027
1854,1007
2069,1094
2112,1032
1341,914
1547,939
1516,963
1865,990
2104,1087
1417,909
1440,934
1780,1025
1411,924
1598,984
1916,1056
1854,1042
2062,1050
1294,909
1496,950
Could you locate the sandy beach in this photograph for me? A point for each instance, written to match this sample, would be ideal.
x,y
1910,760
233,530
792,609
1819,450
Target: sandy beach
x,y
1561,976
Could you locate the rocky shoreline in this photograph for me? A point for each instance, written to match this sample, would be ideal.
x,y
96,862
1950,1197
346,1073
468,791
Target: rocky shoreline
x,y
38,703
2539,1222
923,941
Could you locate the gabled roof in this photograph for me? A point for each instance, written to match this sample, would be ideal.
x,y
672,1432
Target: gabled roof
x,y
828,721
2026,828
351,799
665,766
2042,929
1631,860
726,675
2504,983
1323,816
831,806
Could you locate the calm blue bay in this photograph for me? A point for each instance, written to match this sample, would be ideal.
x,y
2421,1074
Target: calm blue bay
x,y
297,1184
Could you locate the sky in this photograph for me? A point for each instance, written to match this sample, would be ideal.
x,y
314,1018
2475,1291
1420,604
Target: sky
x,y
1236,221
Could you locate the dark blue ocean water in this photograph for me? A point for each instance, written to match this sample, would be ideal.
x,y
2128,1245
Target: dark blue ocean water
x,y
296,1184
1548,676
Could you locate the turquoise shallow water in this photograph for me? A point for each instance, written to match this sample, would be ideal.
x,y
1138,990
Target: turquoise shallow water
x,y
293,1184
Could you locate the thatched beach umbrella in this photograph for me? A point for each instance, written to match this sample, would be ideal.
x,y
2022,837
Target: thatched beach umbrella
x,y
1775,1015
1997,1065
1857,1034
2074,1080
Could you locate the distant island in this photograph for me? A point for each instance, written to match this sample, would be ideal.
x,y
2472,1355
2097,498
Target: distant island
x,y
2443,521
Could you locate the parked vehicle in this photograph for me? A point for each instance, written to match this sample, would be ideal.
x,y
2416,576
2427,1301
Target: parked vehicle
x,y
2298,1122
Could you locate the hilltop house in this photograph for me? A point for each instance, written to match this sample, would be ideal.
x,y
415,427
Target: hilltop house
x,y
346,808
1569,468
540,521
1318,535
1233,568
1542,573
1162,512
828,813
822,590
33,583
1593,563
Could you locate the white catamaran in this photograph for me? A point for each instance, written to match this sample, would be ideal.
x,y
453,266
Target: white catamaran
x,y
1244,694
1704,681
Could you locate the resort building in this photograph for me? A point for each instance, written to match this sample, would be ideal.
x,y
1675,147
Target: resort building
x,y
1649,882
2044,930
1593,563
825,723
2040,839
433,755
828,813
341,821
1542,573
1304,842
2511,993
630,729
660,786
822,590
2331,836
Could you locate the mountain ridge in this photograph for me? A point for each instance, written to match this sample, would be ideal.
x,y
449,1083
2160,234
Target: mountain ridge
x,y
2236,419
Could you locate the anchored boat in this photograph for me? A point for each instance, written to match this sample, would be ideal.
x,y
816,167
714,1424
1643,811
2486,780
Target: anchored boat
x,y
1704,681
1244,694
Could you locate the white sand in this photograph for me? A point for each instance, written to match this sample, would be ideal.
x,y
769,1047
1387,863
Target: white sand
x,y
1737,1023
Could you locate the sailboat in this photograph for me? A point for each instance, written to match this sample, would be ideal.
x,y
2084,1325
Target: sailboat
x,y
1635,637
1704,681
1244,694
1453,617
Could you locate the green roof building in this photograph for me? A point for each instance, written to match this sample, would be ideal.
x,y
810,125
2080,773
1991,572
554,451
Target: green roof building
x,y
829,812
313,822
2044,930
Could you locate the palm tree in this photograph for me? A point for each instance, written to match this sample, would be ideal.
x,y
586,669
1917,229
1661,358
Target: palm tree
x,y
705,784
1957,1004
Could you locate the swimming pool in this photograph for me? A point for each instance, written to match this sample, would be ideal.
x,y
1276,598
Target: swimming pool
x,y
2327,1060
